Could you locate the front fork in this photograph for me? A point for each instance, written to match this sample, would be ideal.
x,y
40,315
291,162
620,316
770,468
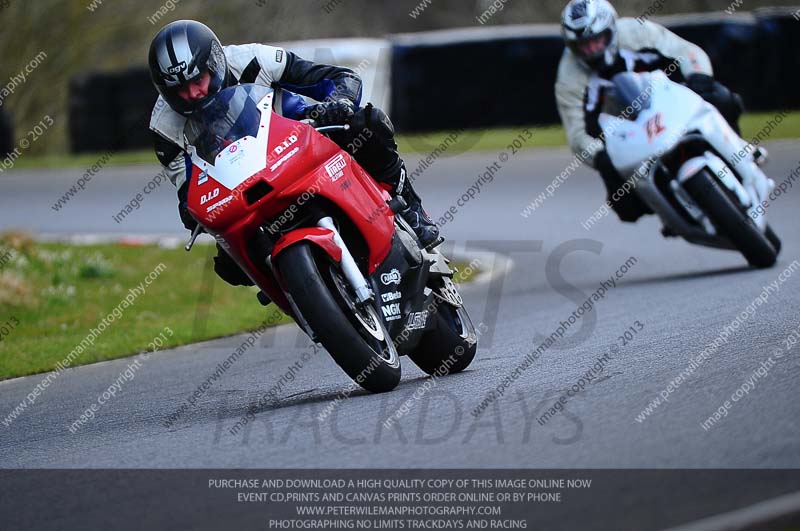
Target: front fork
x,y
350,270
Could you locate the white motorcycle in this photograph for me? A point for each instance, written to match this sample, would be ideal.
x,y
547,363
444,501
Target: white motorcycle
x,y
684,161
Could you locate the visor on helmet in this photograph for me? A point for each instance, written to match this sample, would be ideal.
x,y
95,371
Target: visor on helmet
x,y
186,107
592,49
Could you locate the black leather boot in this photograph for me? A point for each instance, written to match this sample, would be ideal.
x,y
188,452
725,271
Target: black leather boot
x,y
425,229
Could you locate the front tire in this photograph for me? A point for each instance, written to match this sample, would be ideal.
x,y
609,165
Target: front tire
x,y
731,221
773,239
355,337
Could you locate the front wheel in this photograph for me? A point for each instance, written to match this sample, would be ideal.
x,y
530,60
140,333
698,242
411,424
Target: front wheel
x,y
353,334
731,221
773,239
451,345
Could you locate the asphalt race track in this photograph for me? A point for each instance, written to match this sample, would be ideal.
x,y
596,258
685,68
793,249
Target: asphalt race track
x,y
676,297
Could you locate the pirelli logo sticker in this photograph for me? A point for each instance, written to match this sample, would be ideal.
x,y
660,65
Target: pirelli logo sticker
x,y
335,167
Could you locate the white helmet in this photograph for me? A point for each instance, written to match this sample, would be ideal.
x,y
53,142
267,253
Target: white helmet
x,y
589,28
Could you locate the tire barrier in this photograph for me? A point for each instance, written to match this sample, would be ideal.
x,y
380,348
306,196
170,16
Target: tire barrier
x,y
6,134
477,78
779,62
504,76
110,111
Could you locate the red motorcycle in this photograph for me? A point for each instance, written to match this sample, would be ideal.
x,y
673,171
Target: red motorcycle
x,y
321,239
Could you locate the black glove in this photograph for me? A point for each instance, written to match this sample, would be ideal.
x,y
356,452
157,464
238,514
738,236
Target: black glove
x,y
188,221
228,270
331,112
702,84
728,103
627,205
603,164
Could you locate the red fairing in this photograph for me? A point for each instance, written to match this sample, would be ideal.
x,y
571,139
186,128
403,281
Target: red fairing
x,y
317,235
301,165
323,169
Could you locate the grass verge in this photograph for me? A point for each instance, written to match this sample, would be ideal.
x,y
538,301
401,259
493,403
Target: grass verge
x,y
423,144
553,136
53,294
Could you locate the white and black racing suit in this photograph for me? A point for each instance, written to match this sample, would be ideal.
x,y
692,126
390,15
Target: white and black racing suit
x,y
644,46
289,75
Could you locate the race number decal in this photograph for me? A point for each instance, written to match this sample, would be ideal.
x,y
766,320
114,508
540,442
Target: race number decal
x,y
654,127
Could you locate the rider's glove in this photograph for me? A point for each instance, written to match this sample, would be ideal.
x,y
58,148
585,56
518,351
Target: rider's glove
x,y
603,164
183,210
728,103
188,221
702,84
331,112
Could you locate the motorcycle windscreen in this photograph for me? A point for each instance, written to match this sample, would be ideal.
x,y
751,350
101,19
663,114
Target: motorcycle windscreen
x,y
229,116
629,95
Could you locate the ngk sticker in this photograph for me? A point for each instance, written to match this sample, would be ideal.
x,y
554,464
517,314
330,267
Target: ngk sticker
x,y
335,167
391,311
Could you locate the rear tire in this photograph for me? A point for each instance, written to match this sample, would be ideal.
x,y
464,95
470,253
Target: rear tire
x,y
311,279
731,221
454,335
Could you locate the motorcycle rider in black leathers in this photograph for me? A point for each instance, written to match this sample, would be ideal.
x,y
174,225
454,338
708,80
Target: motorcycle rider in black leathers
x,y
189,65
600,46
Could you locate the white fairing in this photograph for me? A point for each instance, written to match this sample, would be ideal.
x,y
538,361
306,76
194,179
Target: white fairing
x,y
628,142
675,111
244,157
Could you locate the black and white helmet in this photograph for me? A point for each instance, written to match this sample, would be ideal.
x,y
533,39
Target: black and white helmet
x,y
589,28
181,52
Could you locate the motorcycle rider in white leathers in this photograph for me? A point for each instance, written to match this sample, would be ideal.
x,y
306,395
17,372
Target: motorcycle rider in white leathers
x,y
599,45
189,66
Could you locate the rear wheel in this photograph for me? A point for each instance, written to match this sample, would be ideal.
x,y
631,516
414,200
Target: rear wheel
x,y
353,334
450,347
731,221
